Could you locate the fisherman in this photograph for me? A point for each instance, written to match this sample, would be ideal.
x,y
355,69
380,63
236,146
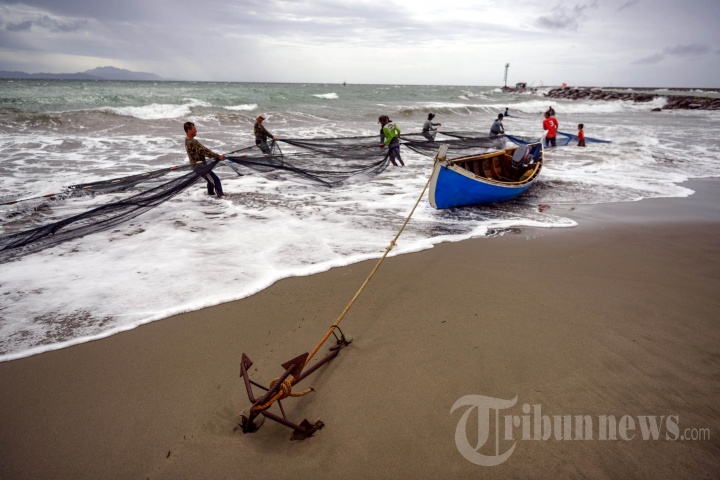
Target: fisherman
x,y
497,128
506,112
551,111
197,153
391,134
428,131
551,125
261,135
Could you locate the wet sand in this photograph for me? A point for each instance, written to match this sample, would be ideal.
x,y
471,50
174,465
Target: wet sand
x,y
618,316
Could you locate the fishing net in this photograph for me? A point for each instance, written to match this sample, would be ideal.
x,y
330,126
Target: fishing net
x,y
102,186
95,220
327,161
459,144
563,139
124,183
516,139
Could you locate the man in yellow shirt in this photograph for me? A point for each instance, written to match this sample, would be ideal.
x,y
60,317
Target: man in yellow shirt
x,y
391,132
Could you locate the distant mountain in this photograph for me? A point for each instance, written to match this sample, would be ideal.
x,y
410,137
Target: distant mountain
x,y
112,73
100,73
48,76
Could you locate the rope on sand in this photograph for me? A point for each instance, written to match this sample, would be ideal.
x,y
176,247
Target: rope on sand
x,y
286,388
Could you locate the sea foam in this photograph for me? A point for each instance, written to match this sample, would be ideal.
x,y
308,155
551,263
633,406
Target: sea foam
x,y
156,111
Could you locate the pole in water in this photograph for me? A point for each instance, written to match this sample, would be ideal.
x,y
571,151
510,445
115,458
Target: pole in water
x,y
507,65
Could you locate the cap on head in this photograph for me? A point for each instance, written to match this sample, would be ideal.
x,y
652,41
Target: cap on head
x,y
260,117
383,118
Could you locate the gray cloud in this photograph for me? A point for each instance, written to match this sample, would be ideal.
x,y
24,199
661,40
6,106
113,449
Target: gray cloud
x,y
559,22
687,50
216,12
90,9
19,27
652,59
627,5
564,18
40,20
55,25
317,21
271,40
682,51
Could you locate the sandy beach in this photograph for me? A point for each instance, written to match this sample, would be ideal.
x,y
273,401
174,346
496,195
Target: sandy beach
x,y
618,316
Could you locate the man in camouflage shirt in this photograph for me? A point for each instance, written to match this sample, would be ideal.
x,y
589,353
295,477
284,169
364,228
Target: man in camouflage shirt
x,y
261,135
197,153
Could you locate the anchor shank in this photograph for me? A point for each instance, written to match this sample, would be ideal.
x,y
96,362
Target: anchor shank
x,y
292,368
319,364
272,390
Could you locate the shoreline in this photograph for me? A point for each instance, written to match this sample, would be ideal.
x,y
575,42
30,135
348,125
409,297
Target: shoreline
x,y
700,207
588,213
616,316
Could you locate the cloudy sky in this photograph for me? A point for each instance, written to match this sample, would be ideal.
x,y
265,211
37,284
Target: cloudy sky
x,y
460,42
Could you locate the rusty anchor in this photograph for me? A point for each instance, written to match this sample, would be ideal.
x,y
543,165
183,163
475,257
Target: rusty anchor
x,y
281,388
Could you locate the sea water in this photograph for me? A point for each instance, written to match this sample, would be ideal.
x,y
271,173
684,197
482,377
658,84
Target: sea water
x,y
195,251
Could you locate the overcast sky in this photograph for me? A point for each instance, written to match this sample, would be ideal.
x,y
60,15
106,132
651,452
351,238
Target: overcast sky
x,y
459,42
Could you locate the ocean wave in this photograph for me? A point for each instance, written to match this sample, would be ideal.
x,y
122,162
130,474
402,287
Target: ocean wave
x,y
466,94
447,108
327,96
242,108
472,96
24,121
586,106
156,111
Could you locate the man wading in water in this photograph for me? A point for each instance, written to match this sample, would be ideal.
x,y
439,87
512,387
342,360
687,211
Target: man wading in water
x,y
197,153
391,132
261,135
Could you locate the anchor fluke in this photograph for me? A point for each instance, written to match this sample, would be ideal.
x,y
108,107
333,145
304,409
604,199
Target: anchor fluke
x,y
295,366
250,426
245,364
306,430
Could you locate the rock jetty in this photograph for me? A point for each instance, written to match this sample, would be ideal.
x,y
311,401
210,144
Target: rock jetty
x,y
674,102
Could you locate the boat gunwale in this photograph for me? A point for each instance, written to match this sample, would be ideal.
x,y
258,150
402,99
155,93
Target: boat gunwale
x,y
455,167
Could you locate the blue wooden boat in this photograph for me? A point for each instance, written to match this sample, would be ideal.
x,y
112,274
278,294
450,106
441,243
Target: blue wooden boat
x,y
486,178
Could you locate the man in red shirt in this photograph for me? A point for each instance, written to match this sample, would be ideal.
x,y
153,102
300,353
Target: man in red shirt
x,y
551,125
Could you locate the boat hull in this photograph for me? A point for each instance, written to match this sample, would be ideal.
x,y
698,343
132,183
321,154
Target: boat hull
x,y
453,186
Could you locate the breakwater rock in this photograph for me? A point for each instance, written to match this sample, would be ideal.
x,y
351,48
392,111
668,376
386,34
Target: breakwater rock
x,y
674,102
